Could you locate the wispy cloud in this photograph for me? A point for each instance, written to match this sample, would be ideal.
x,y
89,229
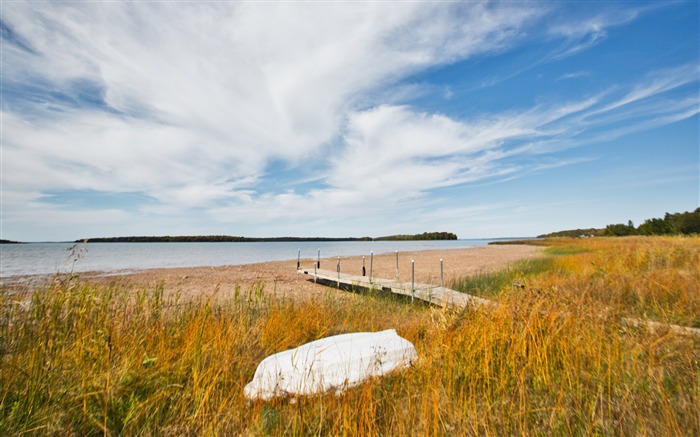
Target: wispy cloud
x,y
574,75
582,33
216,88
189,105
393,155
394,150
655,83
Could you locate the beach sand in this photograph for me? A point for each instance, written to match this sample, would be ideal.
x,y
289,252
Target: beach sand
x,y
281,278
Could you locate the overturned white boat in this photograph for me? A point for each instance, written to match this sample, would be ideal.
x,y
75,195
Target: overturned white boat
x,y
336,362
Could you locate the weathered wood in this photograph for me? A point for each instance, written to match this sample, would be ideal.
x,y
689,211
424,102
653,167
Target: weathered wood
x,y
658,326
433,294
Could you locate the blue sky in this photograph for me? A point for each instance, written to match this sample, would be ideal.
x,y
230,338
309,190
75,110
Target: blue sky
x,y
487,119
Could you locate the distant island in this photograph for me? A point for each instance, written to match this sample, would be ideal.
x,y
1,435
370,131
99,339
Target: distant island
x,y
424,236
237,239
9,242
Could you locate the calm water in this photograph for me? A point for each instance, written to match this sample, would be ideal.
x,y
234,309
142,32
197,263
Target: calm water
x,y
49,258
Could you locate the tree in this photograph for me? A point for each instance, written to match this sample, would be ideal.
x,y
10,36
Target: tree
x,y
620,230
655,226
689,222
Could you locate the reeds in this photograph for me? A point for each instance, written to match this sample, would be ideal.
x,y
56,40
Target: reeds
x,y
551,358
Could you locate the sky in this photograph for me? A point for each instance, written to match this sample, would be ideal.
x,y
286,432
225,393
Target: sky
x,y
482,118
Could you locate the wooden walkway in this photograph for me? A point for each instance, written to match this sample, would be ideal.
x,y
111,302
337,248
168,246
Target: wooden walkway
x,y
446,297
433,294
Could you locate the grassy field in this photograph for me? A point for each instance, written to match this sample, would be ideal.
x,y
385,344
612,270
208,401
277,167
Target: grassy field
x,y
552,358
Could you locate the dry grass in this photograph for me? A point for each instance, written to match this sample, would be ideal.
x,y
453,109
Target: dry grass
x,y
551,359
656,278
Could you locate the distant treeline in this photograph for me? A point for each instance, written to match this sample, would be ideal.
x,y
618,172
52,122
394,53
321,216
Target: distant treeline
x,y
423,236
680,223
574,233
211,239
9,242
236,239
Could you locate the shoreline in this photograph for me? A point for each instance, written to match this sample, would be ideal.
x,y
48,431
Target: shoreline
x,y
52,258
282,278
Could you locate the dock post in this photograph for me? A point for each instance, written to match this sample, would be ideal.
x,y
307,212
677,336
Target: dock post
x,y
363,266
338,269
441,273
413,279
299,259
371,259
397,266
315,274
318,259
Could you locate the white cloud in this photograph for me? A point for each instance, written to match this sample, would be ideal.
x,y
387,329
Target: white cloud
x,y
397,152
190,103
657,82
207,94
393,155
574,75
589,27
582,33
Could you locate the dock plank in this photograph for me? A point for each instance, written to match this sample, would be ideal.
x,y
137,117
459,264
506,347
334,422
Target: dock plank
x,y
433,294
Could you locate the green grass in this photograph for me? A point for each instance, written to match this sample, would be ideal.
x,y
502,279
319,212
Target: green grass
x,y
565,250
553,359
491,284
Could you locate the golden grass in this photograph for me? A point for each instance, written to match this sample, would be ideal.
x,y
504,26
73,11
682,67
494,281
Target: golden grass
x,y
78,359
655,278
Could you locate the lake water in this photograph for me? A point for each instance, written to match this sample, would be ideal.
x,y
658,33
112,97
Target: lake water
x,y
50,258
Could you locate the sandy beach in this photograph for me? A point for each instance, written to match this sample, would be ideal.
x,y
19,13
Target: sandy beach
x,y
281,277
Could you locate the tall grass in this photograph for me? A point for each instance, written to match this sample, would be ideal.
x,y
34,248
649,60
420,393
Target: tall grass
x,y
492,284
656,278
83,360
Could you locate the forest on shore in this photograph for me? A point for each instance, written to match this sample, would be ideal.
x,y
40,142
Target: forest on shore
x,y
680,223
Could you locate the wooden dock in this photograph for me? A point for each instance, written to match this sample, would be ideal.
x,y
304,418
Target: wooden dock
x,y
433,294
446,297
